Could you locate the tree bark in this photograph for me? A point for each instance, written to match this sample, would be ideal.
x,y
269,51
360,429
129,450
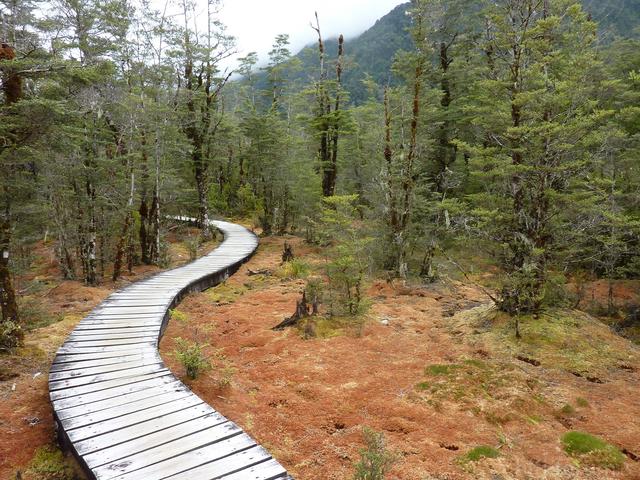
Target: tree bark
x,y
12,89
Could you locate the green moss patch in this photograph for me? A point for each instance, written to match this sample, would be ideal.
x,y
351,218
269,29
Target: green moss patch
x,y
480,452
225,293
592,450
440,369
49,463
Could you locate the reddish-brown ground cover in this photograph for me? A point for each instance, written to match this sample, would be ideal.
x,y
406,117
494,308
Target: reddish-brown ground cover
x,y
307,400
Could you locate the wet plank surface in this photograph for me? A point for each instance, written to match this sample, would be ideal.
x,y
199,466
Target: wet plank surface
x,y
123,413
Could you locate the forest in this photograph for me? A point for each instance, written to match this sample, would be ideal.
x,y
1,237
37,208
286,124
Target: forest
x,y
491,143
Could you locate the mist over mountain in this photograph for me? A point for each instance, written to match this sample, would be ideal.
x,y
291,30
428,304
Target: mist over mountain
x,y
371,54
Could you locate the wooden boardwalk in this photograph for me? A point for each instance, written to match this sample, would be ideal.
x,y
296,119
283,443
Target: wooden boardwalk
x,y
123,413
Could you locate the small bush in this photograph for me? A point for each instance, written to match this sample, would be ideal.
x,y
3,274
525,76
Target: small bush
x,y
480,452
193,244
375,460
295,268
592,450
191,356
11,336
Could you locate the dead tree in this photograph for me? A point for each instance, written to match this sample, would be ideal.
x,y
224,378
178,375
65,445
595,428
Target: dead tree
x,y
327,117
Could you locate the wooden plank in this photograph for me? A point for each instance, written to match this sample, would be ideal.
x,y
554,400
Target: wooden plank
x,y
118,452
115,332
104,386
176,448
269,470
139,407
73,349
128,420
220,457
65,358
91,370
111,342
120,391
86,408
155,426
103,362
220,467
99,379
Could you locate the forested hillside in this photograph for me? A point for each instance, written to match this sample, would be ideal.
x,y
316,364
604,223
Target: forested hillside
x,y
494,143
371,54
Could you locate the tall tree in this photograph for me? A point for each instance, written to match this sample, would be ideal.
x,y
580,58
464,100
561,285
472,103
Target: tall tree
x,y
200,87
329,118
537,111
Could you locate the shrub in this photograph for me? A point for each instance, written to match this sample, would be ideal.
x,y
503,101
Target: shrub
x,y
191,356
295,268
192,244
11,335
592,450
375,459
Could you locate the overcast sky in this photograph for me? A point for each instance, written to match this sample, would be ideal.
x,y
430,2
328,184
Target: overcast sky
x,y
255,23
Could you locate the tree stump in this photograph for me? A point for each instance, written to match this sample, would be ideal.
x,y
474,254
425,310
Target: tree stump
x,y
302,311
287,253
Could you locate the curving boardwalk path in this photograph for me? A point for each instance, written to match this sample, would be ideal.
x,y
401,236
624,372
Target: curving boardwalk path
x,y
123,413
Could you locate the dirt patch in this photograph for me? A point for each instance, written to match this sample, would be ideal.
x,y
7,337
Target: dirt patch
x,y
432,383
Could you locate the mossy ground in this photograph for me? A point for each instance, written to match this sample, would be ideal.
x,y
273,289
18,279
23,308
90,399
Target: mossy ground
x,y
559,339
591,450
49,463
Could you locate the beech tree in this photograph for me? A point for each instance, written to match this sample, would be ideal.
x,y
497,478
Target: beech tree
x,y
200,83
536,106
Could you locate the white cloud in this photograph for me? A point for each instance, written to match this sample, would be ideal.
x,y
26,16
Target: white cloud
x,y
255,23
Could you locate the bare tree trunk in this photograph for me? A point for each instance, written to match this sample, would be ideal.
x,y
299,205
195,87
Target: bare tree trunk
x,y
8,301
12,89
329,129
120,249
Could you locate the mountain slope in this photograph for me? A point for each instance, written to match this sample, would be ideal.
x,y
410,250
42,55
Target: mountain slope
x,y
372,53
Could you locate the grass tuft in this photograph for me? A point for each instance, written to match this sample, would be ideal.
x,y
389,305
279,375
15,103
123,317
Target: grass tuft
x,y
480,452
592,450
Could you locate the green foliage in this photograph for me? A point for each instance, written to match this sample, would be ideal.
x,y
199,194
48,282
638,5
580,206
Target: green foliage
x,y
33,314
346,264
178,316
478,453
375,459
592,450
192,357
11,335
49,463
296,268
